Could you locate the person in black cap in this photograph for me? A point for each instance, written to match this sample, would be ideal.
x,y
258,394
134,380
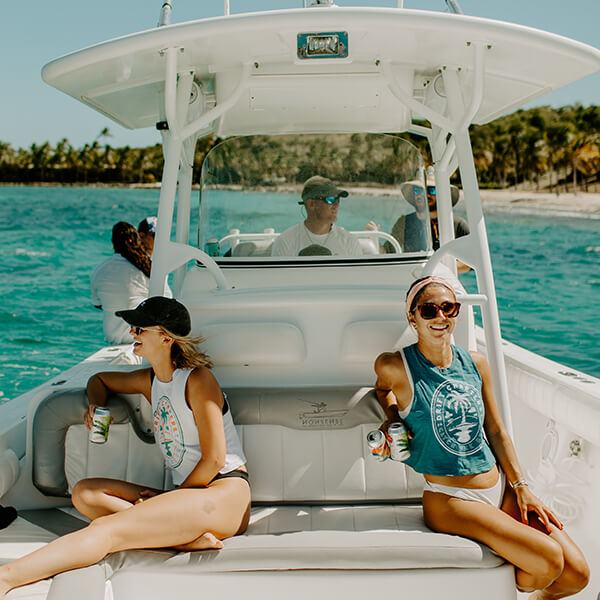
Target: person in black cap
x,y
321,198
195,431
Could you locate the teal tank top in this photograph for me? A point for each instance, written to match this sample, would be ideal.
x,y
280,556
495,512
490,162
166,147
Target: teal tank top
x,y
446,416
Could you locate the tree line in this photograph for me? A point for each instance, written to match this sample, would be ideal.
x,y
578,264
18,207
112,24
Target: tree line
x,y
541,148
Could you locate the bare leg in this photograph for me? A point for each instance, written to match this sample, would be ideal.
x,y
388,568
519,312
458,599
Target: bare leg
x,y
98,496
576,572
542,561
537,558
175,518
206,541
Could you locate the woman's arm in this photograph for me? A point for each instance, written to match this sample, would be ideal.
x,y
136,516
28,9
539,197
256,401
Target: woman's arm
x,y
205,399
101,385
391,375
504,450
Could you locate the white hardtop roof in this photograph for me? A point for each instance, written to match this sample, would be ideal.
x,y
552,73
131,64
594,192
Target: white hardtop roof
x,y
252,59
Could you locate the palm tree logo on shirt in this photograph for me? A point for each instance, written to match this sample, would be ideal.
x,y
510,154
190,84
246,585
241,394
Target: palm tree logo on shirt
x,y
168,432
457,416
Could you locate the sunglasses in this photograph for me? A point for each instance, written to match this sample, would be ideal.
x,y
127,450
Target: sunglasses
x,y
431,190
329,199
139,330
429,310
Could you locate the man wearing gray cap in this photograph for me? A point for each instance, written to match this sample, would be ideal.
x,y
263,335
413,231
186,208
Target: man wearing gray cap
x,y
321,198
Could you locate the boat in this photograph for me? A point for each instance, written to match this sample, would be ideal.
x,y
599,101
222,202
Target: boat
x,y
296,93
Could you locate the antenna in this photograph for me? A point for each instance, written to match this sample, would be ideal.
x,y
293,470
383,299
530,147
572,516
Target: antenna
x,y
454,7
165,14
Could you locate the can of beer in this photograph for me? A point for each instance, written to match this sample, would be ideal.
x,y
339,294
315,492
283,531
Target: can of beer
x,y
398,440
100,425
212,247
378,445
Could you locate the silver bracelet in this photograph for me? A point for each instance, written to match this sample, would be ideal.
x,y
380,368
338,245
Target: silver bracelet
x,y
519,483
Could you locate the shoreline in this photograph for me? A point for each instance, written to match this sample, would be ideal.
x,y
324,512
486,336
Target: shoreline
x,y
579,205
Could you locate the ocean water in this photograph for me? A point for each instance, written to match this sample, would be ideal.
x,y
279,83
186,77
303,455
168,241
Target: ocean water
x,y
546,270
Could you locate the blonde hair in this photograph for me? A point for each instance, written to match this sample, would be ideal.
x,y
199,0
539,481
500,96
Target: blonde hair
x,y
185,353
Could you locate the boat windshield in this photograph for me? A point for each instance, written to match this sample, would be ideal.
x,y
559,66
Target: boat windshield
x,y
314,198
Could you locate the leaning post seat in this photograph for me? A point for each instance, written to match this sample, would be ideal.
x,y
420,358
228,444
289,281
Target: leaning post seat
x,y
321,505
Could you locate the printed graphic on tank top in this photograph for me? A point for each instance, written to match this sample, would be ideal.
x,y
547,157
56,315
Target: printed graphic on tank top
x,y
169,432
457,416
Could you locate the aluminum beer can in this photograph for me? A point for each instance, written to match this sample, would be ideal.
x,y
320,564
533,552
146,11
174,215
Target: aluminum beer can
x,y
212,247
398,440
378,445
100,425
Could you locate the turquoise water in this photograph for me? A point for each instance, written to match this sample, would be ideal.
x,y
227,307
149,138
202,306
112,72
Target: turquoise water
x,y
546,269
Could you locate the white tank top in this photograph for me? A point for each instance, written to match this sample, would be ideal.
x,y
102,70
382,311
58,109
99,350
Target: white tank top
x,y
176,433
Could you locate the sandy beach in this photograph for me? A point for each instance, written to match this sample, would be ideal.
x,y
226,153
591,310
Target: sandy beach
x,y
582,205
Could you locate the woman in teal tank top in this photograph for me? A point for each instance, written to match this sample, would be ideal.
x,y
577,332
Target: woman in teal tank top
x,y
459,443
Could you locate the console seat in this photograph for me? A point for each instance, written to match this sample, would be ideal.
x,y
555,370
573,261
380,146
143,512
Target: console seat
x,y
324,510
325,537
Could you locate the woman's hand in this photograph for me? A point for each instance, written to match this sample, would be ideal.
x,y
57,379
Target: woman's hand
x,y
88,417
529,502
384,427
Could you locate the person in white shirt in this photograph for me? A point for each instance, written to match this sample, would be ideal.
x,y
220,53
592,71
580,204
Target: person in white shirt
x,y
321,198
121,282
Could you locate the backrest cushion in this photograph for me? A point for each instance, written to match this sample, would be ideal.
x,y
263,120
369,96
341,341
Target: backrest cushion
x,y
302,444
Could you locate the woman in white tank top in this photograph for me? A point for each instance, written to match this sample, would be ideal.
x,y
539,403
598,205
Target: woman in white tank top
x,y
194,428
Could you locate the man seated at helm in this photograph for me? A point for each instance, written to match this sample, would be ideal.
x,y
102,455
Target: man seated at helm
x,y
321,199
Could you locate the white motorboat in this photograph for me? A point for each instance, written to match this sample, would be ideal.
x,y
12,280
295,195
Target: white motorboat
x,y
296,93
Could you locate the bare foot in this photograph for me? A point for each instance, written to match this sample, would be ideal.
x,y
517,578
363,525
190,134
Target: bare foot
x,y
205,541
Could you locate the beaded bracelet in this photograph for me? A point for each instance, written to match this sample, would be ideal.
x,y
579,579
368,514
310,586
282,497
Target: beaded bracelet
x,y
519,483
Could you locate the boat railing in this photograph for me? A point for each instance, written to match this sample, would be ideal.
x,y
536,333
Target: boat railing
x,y
235,237
179,254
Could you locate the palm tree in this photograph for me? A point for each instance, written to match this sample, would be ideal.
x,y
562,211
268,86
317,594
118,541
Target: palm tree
x,y
557,138
104,133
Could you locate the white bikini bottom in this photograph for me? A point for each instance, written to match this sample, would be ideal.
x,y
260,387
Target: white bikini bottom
x,y
492,495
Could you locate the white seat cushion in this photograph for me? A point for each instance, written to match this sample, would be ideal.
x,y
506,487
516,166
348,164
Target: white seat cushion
x,y
324,537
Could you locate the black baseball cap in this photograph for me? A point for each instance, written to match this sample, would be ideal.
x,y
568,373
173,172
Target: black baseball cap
x,y
158,310
321,187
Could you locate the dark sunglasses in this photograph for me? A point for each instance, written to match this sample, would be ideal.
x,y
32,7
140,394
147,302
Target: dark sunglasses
x,y
429,310
431,190
139,329
329,199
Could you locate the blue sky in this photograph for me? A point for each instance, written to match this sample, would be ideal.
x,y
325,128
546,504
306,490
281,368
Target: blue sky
x,y
34,32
